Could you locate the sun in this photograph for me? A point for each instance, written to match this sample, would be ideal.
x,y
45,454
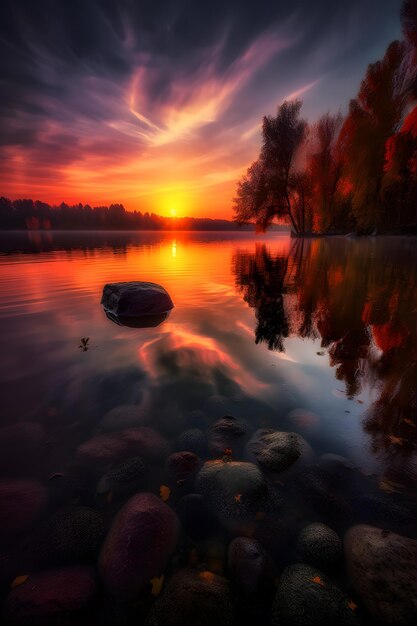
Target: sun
x,y
173,212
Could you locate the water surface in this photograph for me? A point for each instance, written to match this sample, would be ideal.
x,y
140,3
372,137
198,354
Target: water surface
x,y
261,326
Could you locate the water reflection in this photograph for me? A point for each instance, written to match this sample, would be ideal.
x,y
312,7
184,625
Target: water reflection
x,y
360,300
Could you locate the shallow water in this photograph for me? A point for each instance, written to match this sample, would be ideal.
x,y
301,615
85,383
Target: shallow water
x,y
261,326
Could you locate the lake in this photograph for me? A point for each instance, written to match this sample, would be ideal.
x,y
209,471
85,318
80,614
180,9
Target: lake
x,y
314,337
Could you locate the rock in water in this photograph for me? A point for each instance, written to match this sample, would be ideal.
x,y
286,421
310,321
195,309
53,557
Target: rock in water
x,y
277,451
307,597
382,567
124,478
52,597
193,598
319,545
140,542
234,491
135,299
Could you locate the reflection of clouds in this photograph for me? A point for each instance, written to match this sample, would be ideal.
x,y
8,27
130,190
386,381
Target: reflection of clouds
x,y
184,354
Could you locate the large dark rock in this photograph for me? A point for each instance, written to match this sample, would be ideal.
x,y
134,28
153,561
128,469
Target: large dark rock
x,y
226,433
73,534
249,565
139,545
278,451
192,440
181,465
22,504
382,567
125,478
234,491
319,545
102,451
51,598
307,597
135,299
193,598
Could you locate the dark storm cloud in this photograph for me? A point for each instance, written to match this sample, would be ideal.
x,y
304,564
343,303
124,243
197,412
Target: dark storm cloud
x,y
77,75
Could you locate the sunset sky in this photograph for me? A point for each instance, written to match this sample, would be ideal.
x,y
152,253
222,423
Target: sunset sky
x,y
157,104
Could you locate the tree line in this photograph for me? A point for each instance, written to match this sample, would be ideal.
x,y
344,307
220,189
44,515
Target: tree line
x,y
357,173
27,214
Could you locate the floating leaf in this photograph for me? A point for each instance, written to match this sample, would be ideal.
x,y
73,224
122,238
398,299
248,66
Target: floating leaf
x,y
321,353
318,581
409,422
398,441
164,492
19,580
228,451
157,584
238,498
389,486
352,606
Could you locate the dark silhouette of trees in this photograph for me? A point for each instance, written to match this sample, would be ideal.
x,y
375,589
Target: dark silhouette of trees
x,y
360,172
27,214
268,188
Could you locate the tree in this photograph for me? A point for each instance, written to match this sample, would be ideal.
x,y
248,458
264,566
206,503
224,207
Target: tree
x,y
266,191
326,166
372,119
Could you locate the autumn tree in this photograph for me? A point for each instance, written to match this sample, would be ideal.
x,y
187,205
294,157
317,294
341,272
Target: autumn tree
x,y
267,191
326,166
372,118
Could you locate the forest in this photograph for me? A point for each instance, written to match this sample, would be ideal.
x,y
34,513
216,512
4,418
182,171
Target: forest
x,y
343,174
27,214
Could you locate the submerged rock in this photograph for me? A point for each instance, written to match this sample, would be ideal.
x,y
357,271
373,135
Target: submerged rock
x,y
101,451
234,491
193,598
73,534
249,565
382,567
135,299
277,451
124,478
22,504
307,597
226,433
181,465
319,545
52,597
192,440
140,542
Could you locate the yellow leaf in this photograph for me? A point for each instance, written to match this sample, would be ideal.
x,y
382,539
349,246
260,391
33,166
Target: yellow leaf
x,y
157,584
318,581
390,486
19,580
207,576
164,492
238,498
398,441
352,606
409,422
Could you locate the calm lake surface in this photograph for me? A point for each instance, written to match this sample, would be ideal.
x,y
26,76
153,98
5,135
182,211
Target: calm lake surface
x,y
317,337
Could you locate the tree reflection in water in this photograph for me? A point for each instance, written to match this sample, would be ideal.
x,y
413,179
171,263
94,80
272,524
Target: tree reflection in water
x,y
360,299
